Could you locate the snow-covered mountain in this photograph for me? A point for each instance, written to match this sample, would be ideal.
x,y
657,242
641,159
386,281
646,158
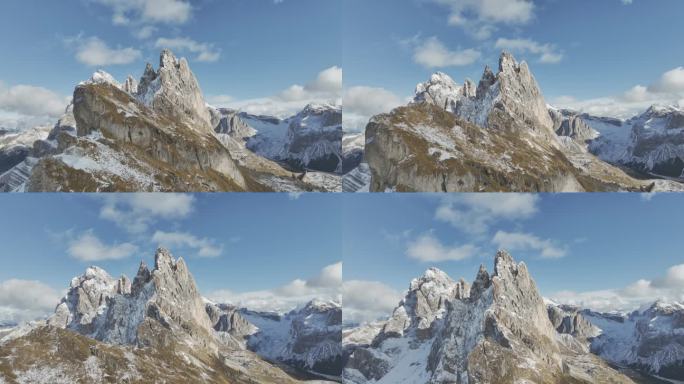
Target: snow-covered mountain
x,y
495,331
652,142
158,134
311,139
156,328
497,136
649,339
308,338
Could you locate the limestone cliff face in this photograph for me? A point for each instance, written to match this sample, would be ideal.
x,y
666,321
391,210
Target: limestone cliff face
x,y
157,135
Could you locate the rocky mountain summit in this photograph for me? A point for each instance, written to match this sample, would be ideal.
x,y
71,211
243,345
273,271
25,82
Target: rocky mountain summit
x,y
495,330
155,134
155,328
498,136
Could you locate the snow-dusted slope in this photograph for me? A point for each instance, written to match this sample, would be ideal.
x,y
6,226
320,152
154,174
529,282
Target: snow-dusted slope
x,y
309,338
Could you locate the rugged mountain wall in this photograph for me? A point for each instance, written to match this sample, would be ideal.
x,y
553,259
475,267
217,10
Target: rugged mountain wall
x,y
500,136
497,331
155,329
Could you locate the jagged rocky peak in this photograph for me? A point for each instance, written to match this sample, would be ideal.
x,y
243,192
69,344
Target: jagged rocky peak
x,y
520,93
499,334
160,306
174,91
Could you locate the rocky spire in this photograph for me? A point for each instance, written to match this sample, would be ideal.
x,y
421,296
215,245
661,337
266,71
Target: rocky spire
x,y
488,79
130,86
174,91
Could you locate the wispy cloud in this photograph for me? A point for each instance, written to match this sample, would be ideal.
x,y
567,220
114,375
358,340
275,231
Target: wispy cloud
x,y
88,247
204,52
366,301
669,287
26,300
205,247
136,212
325,87
94,52
474,213
668,89
480,17
125,12
520,241
546,53
427,248
361,103
432,53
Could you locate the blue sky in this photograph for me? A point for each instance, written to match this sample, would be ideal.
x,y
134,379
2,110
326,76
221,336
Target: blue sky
x,y
596,51
597,250
239,49
238,246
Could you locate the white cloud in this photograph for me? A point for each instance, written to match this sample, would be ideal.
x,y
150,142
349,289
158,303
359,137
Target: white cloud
x,y
88,247
294,195
547,53
95,52
23,106
26,300
325,285
361,103
326,87
519,241
366,301
205,52
327,83
670,81
475,212
205,247
626,2
427,248
136,211
432,53
668,287
668,89
480,17
145,32
148,11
